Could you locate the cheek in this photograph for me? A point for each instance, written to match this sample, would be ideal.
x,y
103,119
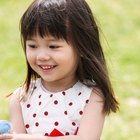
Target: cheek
x,y
75,62
72,60
29,56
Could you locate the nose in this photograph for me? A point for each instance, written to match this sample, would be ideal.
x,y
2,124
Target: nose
x,y
43,55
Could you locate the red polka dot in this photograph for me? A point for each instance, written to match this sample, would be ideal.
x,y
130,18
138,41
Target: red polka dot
x,y
46,113
79,93
65,112
36,124
39,96
51,95
55,102
28,105
70,104
81,112
87,101
34,115
67,133
73,123
56,123
64,93
39,103
27,125
46,134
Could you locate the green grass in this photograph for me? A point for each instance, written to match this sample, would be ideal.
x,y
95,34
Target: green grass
x,y
119,21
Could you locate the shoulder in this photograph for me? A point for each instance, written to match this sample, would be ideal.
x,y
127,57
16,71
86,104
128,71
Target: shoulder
x,y
15,96
97,95
14,102
16,112
94,93
96,100
84,88
93,117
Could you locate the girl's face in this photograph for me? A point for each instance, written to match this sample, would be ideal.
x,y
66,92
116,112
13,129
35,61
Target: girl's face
x,y
53,59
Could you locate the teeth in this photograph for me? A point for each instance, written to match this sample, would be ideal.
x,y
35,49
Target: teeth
x,y
47,67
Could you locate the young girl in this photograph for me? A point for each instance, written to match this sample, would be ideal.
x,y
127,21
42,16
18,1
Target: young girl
x,y
67,92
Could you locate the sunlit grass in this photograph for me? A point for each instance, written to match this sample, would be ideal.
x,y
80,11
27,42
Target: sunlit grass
x,y
120,22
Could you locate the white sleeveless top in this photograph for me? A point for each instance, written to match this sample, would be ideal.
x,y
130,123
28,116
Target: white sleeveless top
x,y
55,114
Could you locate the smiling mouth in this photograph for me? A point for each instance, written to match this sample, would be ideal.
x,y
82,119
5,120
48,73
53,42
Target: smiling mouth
x,y
47,67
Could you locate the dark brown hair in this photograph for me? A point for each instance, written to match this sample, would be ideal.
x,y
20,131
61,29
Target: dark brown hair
x,y
73,21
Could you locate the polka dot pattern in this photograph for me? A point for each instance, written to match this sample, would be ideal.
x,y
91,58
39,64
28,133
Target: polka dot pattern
x,y
46,134
70,104
65,112
28,105
36,124
56,123
51,95
34,115
64,93
39,103
87,101
46,113
81,112
79,93
27,126
55,102
67,133
73,123
61,111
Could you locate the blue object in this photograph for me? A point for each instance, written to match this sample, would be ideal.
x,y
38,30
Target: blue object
x,y
5,127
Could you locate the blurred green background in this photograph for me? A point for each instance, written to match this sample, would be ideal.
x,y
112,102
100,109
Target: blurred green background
x,y
119,21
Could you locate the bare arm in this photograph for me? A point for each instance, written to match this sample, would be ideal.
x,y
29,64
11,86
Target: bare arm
x,y
93,118
16,114
90,127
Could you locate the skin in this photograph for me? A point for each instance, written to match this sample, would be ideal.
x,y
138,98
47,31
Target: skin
x,y
56,62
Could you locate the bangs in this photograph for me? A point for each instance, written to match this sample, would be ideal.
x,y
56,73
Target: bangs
x,y
45,19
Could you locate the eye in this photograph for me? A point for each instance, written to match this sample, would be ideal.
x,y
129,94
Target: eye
x,y
32,46
54,46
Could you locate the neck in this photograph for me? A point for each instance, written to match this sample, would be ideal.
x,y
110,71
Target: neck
x,y
57,86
